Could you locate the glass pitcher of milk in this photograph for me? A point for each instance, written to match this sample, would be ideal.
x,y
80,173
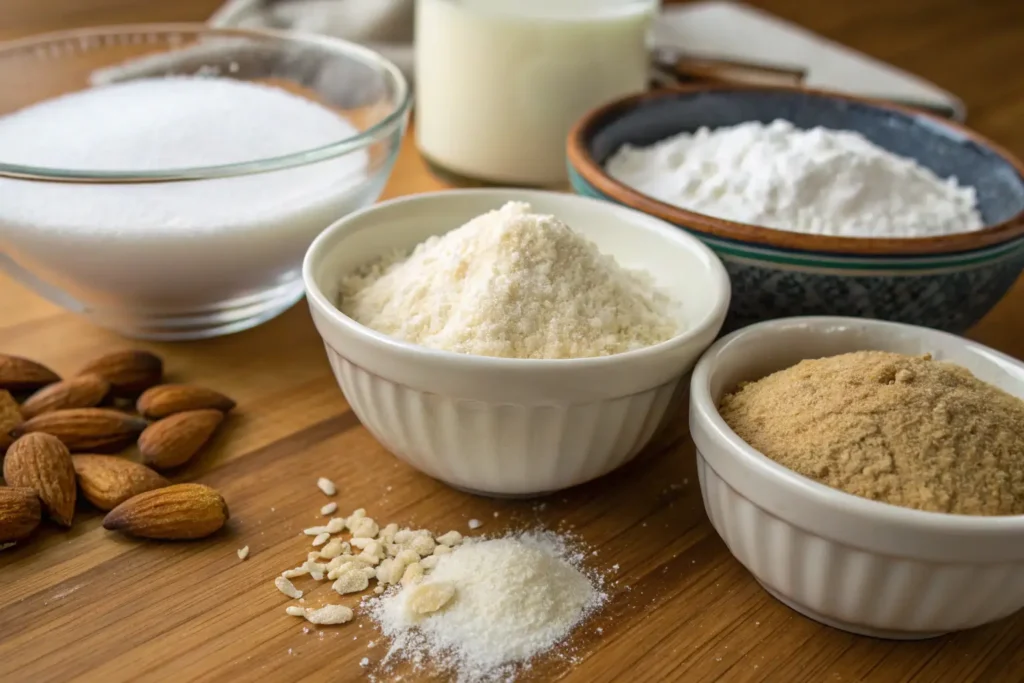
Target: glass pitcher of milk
x,y
499,83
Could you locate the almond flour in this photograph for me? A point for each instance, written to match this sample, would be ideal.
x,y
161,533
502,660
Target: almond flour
x,y
903,430
513,284
489,606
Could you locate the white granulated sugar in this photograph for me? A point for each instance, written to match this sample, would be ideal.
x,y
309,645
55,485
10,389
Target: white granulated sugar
x,y
818,181
513,284
515,598
165,123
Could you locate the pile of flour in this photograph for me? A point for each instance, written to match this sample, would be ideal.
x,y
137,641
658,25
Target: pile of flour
x,y
819,181
514,598
515,284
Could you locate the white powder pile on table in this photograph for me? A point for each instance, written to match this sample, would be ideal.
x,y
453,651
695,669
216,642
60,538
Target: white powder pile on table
x,y
513,284
514,598
819,181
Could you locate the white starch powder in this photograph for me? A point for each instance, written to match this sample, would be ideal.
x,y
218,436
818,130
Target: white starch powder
x,y
515,598
818,181
513,284
174,244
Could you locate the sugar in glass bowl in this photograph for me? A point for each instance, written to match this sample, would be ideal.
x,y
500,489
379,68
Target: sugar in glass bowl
x,y
183,250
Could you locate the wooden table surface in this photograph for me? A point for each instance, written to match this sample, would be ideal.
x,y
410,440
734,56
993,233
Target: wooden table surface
x,y
87,605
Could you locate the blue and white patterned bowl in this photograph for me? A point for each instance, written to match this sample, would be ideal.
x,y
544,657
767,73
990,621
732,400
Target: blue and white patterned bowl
x,y
948,282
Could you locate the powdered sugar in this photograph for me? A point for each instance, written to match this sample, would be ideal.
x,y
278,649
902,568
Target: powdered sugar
x,y
815,181
514,284
515,598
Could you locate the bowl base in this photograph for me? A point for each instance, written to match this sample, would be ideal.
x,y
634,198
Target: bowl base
x,y
502,496
856,629
228,318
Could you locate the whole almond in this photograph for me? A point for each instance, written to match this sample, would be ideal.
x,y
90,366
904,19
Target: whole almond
x,y
173,441
129,372
87,429
22,374
84,391
10,418
41,462
20,513
107,481
178,512
166,399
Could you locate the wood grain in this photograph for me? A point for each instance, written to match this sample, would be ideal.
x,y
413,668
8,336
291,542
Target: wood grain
x,y
86,605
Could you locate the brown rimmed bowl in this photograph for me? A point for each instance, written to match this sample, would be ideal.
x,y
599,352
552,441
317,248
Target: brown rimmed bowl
x,y
948,282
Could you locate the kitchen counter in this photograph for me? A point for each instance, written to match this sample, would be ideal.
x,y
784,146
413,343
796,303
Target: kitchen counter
x,y
88,605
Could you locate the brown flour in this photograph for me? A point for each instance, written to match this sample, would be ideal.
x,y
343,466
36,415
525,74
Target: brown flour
x,y
904,430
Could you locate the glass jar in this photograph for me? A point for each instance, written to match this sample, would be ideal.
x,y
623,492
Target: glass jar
x,y
499,83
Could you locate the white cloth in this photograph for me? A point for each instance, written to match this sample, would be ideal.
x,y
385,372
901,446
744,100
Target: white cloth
x,y
385,26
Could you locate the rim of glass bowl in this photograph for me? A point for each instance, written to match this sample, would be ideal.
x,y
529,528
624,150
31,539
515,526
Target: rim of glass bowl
x,y
340,147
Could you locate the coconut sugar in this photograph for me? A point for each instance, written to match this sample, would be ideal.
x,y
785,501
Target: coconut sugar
x,y
904,430
515,284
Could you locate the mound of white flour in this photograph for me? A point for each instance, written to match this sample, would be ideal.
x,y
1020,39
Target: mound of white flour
x,y
514,598
819,181
513,284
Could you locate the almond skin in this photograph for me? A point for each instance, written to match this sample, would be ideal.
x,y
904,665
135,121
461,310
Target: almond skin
x,y
107,481
41,462
173,441
20,513
10,418
84,391
22,374
167,399
178,512
87,429
129,372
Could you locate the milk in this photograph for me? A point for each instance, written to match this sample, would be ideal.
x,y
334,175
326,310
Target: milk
x,y
499,83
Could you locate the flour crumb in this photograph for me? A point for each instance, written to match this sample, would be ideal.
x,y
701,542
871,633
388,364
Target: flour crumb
x,y
243,552
475,524
513,284
818,181
364,662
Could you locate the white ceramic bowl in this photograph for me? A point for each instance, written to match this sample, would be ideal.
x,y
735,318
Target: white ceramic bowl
x,y
856,564
507,426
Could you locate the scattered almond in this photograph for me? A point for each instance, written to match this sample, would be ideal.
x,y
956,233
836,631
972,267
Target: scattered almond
x,y
129,372
287,587
41,462
20,513
178,512
243,552
87,429
166,399
173,441
107,481
428,598
10,418
326,486
85,391
22,374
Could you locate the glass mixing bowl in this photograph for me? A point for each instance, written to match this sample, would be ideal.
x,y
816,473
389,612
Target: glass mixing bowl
x,y
65,232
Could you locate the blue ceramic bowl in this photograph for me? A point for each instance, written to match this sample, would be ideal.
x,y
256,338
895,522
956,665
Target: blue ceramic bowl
x,y
948,282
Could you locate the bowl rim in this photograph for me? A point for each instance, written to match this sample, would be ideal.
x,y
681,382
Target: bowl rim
x,y
336,233
592,172
799,486
362,139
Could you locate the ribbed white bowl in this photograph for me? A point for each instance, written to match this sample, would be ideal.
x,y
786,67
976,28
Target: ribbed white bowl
x,y
506,426
856,564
